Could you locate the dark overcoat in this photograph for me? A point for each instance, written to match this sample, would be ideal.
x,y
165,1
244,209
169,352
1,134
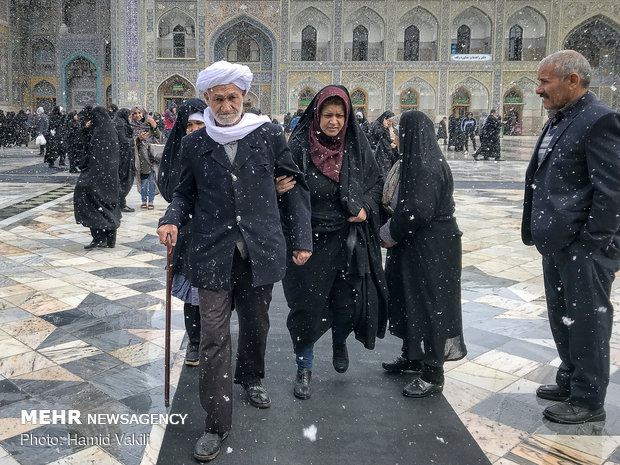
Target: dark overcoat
x,y
96,195
574,193
423,269
225,199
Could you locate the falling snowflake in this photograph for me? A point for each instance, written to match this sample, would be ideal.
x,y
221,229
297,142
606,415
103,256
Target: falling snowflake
x,y
567,321
310,433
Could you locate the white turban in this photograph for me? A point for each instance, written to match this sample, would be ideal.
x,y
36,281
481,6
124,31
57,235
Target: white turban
x,y
222,73
196,117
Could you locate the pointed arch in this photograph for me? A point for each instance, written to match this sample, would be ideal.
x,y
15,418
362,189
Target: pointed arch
x,y
374,25
318,20
427,95
471,32
80,81
174,89
307,83
427,26
479,94
43,56
176,35
531,43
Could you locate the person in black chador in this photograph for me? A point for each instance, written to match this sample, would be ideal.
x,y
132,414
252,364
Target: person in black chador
x,y
385,137
489,138
442,131
454,127
73,140
54,140
423,266
22,135
342,286
126,166
189,117
96,195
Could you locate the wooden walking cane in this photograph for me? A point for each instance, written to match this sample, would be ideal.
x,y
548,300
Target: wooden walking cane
x,y
168,317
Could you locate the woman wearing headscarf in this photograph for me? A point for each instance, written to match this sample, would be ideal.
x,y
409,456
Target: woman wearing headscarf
x,y
54,140
189,117
423,266
72,138
386,141
342,285
144,134
126,167
96,198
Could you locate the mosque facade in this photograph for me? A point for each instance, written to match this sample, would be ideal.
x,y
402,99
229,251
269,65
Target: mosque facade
x,y
437,56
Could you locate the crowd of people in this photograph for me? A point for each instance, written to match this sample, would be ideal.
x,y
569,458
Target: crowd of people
x,y
250,207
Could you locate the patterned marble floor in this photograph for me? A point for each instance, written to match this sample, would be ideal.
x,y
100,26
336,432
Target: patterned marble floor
x,y
84,330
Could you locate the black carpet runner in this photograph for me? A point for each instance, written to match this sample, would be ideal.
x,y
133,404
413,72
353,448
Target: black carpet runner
x,y
360,417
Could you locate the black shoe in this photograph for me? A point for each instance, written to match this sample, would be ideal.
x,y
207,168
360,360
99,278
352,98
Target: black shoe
x,y
499,159
73,170
208,446
110,239
257,394
127,209
302,384
192,354
552,392
569,414
401,364
340,358
420,388
95,244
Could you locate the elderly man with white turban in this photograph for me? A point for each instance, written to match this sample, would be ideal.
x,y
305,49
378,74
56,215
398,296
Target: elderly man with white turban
x,y
237,248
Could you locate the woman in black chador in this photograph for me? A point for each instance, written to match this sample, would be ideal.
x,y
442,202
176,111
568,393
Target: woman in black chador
x,y
386,140
126,145
96,196
423,266
167,180
342,286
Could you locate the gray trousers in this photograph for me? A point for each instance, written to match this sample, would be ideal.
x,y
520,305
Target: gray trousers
x,y
215,366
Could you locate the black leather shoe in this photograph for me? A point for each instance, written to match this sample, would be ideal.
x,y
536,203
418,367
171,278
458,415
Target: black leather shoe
x,y
302,384
569,414
110,239
96,243
192,354
208,446
401,364
257,394
420,388
341,357
127,209
552,392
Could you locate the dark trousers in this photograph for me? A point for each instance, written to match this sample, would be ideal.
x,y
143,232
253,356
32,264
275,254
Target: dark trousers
x,y
472,136
215,366
577,288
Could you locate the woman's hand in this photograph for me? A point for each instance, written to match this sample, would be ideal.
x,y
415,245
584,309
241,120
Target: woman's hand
x,y
151,121
143,135
385,245
284,184
360,218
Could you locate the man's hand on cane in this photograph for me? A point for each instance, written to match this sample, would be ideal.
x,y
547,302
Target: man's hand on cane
x,y
166,229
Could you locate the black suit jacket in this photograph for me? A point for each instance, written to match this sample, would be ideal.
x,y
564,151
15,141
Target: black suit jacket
x,y
574,195
226,199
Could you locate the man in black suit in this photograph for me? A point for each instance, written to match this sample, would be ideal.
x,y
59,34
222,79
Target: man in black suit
x,y
572,215
237,247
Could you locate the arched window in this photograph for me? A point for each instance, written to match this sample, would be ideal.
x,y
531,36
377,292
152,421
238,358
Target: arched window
x,y
308,44
359,100
412,44
108,56
409,100
243,49
515,43
177,36
178,42
360,44
43,56
305,97
463,39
